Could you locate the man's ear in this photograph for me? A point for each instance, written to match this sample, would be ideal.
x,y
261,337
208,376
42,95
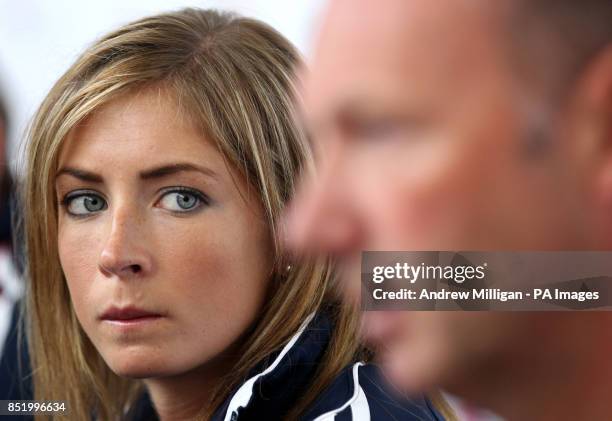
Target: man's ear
x,y
594,121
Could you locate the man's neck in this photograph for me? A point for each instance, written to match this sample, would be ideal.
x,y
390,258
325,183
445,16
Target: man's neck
x,y
584,398
575,387
571,382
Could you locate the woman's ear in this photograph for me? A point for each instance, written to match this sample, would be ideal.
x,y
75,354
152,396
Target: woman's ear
x,y
282,268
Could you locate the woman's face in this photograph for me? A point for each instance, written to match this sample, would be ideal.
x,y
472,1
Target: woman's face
x,y
166,254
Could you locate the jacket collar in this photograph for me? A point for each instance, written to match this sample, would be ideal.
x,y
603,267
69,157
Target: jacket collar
x,y
277,383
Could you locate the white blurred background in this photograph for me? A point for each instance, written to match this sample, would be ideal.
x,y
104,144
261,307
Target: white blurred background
x,y
39,39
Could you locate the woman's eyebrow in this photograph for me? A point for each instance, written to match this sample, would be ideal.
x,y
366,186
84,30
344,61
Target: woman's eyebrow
x,y
80,174
170,169
156,172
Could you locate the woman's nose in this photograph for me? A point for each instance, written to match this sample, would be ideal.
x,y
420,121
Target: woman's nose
x,y
125,253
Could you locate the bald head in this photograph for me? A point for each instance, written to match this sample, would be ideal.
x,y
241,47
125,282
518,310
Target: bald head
x,y
548,41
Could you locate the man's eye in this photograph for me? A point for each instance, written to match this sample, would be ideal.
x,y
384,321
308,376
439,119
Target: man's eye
x,y
377,129
182,200
83,204
373,128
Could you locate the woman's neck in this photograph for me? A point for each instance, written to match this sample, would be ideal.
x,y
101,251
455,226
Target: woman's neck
x,y
184,396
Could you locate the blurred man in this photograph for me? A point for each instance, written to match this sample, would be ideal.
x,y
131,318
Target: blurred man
x,y
469,125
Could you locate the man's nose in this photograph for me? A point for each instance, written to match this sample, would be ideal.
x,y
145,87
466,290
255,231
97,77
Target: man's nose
x,y
323,217
125,252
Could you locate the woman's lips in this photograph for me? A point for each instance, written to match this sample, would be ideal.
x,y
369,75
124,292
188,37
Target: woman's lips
x,y
129,315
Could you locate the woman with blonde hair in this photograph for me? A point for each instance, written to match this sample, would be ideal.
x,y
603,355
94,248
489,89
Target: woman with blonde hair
x,y
157,170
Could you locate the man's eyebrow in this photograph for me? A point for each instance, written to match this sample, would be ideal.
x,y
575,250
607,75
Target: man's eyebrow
x,y
80,174
170,169
347,107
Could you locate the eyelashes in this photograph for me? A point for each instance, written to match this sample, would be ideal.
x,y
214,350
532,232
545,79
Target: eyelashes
x,y
182,199
82,203
177,200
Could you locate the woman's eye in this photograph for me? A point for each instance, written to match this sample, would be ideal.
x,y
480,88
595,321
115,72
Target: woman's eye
x,y
181,201
84,204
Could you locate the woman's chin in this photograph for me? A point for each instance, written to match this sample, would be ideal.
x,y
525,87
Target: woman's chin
x,y
138,370
140,366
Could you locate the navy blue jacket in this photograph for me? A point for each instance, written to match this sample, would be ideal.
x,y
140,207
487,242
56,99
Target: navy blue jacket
x,y
15,377
15,382
358,393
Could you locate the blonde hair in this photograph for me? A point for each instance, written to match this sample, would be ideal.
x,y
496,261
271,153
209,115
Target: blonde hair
x,y
233,77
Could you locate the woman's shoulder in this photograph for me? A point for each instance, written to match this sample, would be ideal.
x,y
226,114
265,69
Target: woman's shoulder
x,y
358,392
361,393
